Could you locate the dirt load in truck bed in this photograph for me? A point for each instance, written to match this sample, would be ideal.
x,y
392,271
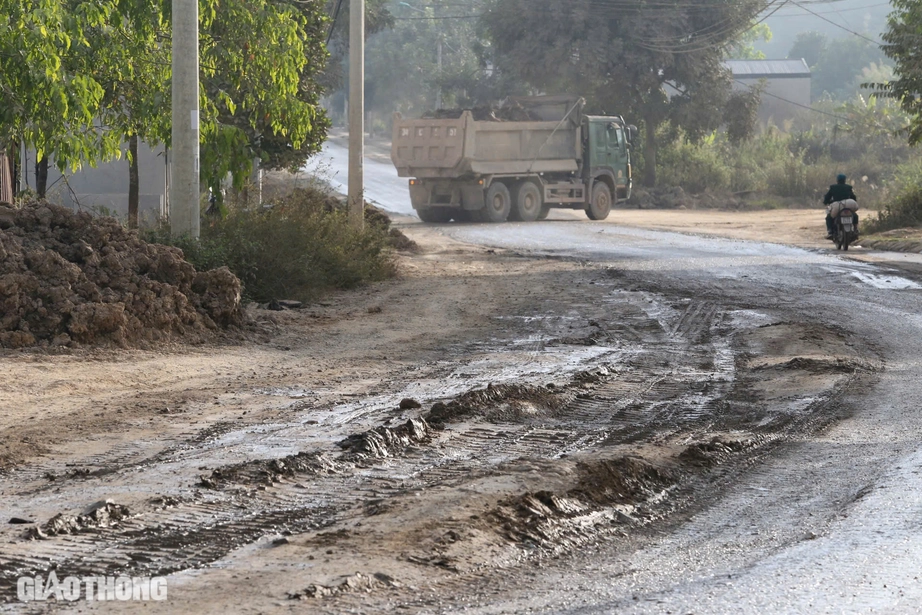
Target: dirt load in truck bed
x,y
73,279
507,113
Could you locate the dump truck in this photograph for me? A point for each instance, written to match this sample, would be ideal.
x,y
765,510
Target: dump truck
x,y
491,170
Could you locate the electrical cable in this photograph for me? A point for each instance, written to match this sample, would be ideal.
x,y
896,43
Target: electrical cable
x,y
336,9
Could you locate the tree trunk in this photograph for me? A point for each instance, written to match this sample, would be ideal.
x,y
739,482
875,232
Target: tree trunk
x,y
649,154
15,164
133,182
41,177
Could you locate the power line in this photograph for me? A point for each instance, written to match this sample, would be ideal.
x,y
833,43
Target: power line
x,y
339,5
796,104
814,13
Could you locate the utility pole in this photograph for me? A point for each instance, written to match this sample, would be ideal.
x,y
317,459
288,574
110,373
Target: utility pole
x,y
184,184
357,113
438,95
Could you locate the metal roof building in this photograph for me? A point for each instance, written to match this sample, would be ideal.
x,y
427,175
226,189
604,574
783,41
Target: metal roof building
x,y
768,69
786,90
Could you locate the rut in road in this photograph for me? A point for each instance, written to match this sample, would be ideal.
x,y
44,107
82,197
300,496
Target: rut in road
x,y
659,368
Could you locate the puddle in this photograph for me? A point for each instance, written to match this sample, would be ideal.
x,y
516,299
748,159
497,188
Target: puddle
x,y
886,282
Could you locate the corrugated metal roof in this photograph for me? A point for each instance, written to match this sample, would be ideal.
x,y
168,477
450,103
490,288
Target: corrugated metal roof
x,y
764,68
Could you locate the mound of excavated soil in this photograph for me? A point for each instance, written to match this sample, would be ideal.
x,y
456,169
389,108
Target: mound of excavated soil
x,y
507,113
71,279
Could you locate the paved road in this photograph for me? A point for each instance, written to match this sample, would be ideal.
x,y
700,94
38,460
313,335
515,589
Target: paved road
x,y
382,186
830,524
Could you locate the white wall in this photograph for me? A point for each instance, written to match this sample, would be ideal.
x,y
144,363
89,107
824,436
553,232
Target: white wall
x,y
105,188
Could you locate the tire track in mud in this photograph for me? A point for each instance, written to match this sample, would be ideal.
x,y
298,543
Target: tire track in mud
x,y
675,385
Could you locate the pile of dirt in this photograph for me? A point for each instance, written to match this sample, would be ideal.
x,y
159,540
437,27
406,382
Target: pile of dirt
x,y
69,278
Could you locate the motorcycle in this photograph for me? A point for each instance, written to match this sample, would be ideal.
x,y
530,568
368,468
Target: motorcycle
x,y
846,232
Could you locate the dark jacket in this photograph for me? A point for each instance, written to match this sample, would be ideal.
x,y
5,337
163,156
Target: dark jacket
x,y
839,192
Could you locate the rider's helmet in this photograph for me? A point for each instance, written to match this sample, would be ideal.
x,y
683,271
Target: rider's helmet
x,y
840,178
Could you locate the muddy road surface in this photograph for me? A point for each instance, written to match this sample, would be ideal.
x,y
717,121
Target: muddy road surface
x,y
553,417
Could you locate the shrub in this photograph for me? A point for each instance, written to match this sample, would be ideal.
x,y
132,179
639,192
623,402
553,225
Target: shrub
x,y
297,248
695,168
905,207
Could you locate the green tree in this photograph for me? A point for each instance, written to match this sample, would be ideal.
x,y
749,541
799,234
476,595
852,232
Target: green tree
x,y
623,58
808,46
131,59
402,69
901,44
744,48
81,78
260,63
50,98
840,63
378,18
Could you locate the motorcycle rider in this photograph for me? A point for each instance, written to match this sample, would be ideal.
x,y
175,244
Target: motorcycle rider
x,y
839,191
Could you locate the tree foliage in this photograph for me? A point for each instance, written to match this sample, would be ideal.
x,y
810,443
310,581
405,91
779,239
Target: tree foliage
x,y
402,67
744,48
904,30
260,61
623,58
81,78
49,97
808,46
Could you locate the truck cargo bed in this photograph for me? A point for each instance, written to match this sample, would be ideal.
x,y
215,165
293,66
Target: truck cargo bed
x,y
452,148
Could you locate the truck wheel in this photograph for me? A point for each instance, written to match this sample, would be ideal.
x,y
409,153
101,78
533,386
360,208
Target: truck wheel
x,y
600,205
544,212
434,215
528,202
498,203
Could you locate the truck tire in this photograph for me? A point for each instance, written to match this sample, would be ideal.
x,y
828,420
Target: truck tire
x,y
528,202
544,213
434,215
498,203
600,205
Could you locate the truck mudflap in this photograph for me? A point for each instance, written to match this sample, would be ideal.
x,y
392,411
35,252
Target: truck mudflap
x,y
428,194
419,194
472,197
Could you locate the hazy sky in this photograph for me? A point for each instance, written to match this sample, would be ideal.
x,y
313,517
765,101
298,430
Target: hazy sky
x,y
868,17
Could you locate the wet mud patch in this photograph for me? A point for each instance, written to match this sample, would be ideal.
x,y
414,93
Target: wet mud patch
x,y
100,515
384,442
788,371
270,471
503,402
606,492
717,450
357,582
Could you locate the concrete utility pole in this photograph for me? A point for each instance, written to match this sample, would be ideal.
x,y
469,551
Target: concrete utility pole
x,y
438,95
357,113
184,185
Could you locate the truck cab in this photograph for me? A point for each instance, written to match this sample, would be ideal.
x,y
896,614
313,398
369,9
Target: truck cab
x,y
607,152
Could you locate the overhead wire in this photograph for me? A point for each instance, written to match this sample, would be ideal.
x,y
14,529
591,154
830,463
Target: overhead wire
x,y
838,25
335,17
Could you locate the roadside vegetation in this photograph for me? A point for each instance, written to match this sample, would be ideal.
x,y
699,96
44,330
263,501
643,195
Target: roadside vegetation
x,y
704,143
792,165
298,247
